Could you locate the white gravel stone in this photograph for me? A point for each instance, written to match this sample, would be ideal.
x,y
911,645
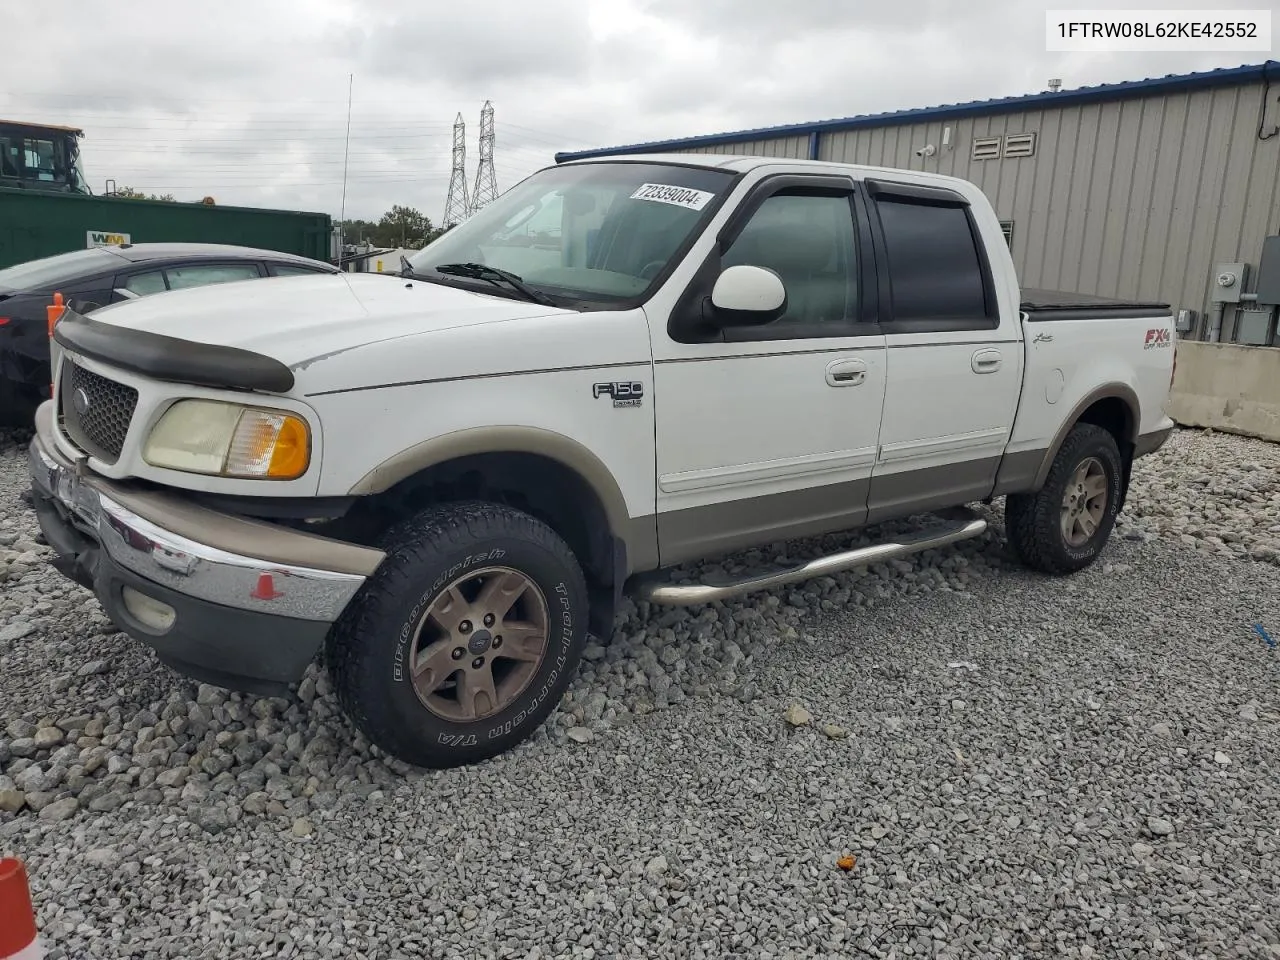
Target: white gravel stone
x,y
59,809
1028,824
15,631
798,716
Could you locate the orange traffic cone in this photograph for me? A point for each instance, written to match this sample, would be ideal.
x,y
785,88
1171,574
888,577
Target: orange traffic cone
x,y
53,311
17,917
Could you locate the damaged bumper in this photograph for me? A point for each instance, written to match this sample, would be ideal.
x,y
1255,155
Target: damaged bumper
x,y
223,599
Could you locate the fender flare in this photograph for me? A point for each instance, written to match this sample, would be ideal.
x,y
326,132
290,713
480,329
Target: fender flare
x,y
1119,391
638,534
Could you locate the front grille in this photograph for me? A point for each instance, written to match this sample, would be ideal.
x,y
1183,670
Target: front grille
x,y
95,411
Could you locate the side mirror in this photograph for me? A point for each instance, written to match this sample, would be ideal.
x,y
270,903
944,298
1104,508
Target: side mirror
x,y
748,296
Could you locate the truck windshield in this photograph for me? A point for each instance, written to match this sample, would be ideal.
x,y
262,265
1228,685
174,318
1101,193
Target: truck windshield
x,y
594,232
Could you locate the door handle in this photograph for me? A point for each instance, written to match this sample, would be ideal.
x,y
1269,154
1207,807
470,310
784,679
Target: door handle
x,y
986,361
846,373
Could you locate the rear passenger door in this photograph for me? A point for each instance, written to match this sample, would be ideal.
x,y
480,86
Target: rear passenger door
x,y
769,432
954,371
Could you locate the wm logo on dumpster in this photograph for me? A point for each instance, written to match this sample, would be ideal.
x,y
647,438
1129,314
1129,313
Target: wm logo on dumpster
x,y
103,238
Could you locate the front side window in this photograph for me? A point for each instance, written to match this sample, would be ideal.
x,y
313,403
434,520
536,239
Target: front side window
x,y
39,160
807,239
595,232
201,275
934,267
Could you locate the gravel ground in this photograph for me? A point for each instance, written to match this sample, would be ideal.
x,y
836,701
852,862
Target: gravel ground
x,y
1016,766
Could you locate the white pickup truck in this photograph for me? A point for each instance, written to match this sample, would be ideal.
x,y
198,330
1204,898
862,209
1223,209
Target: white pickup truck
x,y
445,479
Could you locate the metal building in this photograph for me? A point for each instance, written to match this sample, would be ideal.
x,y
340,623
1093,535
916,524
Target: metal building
x,y
1148,188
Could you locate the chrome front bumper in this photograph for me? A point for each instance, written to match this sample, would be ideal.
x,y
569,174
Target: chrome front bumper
x,y
191,568
112,516
220,598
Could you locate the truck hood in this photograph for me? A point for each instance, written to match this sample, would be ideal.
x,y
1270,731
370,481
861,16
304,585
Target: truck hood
x,y
298,320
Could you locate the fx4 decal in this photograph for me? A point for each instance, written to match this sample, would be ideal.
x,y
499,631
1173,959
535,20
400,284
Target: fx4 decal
x,y
1156,338
624,394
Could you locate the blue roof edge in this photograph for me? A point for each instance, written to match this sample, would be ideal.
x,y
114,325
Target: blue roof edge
x,y
1223,76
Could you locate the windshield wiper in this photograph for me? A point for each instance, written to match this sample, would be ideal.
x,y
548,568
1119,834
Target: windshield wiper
x,y
482,271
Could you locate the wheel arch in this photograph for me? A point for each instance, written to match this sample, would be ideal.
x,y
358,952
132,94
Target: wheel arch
x,y
545,473
1115,408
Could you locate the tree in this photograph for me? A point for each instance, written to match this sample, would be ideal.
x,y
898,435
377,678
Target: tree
x,y
133,194
402,227
438,232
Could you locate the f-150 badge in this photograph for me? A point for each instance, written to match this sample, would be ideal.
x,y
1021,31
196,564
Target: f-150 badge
x,y
624,394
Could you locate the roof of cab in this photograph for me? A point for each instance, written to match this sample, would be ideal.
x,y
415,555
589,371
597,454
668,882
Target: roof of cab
x,y
744,163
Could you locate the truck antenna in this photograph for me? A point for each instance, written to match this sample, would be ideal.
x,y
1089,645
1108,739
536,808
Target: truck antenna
x,y
346,155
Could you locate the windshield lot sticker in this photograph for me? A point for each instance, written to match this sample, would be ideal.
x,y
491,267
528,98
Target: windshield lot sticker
x,y
678,196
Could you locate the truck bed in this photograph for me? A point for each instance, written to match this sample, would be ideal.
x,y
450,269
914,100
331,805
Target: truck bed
x,y
1064,305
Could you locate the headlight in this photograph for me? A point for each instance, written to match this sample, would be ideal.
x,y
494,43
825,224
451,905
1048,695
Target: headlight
x,y
229,440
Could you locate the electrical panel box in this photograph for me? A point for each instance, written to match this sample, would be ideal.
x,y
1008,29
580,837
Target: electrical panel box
x,y
1227,282
1269,271
1186,321
1253,327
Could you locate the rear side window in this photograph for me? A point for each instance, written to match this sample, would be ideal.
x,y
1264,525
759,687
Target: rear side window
x,y
201,275
292,270
145,284
935,268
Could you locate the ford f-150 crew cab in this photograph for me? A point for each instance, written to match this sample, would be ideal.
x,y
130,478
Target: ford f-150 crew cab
x,y
445,479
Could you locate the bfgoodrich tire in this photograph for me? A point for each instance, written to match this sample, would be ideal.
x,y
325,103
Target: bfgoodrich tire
x,y
465,638
1064,526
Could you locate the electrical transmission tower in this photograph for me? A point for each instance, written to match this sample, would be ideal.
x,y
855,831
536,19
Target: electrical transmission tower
x,y
456,206
486,188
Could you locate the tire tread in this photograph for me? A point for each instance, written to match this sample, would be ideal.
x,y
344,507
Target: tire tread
x,y
412,544
1032,519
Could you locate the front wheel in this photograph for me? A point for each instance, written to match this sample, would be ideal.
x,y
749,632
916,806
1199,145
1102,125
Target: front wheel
x,y
464,640
1064,526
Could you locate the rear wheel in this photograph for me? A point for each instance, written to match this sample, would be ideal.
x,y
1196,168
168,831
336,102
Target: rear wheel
x,y
465,638
1064,526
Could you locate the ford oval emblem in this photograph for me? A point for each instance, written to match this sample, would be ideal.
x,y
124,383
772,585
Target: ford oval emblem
x,y
80,401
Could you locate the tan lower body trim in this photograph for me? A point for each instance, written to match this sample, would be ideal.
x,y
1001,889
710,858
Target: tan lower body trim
x,y
1151,442
1017,473
720,528
931,488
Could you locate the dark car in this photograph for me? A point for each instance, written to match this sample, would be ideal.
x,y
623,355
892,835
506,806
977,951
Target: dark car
x,y
92,278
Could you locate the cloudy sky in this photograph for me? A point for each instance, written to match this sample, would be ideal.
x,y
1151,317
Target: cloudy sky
x,y
247,99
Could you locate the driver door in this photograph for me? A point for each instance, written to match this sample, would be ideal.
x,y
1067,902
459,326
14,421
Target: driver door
x,y
769,432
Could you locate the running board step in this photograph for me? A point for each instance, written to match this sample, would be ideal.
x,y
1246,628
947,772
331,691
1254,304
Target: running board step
x,y
965,527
